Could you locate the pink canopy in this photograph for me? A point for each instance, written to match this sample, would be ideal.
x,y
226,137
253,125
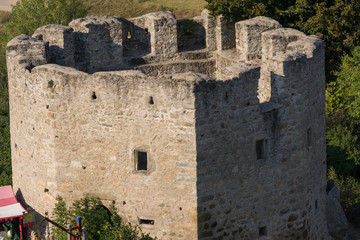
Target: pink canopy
x,y
9,207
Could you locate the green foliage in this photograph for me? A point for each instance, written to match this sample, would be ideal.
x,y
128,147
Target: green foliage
x,y
235,10
27,15
188,26
4,16
349,188
343,129
100,222
343,94
5,153
343,150
337,23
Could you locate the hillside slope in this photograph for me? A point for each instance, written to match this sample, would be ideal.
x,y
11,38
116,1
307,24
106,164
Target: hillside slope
x,y
133,8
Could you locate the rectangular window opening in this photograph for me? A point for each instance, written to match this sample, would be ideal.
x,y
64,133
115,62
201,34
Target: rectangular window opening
x,y
141,160
308,137
260,149
262,231
146,221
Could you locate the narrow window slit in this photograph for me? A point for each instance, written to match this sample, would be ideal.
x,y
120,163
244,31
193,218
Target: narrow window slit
x,y
141,159
151,100
93,96
308,137
260,149
146,221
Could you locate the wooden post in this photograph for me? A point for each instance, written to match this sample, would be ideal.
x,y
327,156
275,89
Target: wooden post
x,y
69,231
84,234
20,226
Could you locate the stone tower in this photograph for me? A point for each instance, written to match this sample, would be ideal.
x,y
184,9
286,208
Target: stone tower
x,y
195,129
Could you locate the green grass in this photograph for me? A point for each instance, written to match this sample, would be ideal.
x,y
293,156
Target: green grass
x,y
133,8
4,15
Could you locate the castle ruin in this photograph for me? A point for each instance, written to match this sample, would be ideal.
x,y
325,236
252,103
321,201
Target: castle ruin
x,y
195,129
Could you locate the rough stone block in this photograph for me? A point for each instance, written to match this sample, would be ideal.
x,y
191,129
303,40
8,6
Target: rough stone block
x,y
248,36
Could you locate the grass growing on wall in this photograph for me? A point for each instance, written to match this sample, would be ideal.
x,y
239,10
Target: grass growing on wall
x,y
133,8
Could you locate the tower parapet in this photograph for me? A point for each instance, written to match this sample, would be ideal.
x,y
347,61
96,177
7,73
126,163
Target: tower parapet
x,y
220,136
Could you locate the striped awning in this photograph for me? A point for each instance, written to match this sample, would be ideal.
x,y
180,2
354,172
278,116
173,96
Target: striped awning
x,y
9,207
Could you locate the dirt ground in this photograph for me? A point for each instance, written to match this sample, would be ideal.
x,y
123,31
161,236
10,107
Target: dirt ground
x,y
6,4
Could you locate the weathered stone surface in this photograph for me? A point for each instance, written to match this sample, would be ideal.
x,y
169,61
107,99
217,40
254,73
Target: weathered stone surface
x,y
248,38
336,219
235,146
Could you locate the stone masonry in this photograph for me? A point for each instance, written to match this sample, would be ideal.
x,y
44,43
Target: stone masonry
x,y
195,129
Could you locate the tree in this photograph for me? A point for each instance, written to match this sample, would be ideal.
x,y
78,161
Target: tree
x,y
343,94
343,117
349,189
100,222
27,15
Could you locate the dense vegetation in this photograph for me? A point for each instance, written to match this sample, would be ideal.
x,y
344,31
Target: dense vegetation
x,y
100,222
343,129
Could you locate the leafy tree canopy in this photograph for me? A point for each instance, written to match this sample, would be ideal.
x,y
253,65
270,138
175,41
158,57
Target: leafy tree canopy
x,y
100,222
27,15
344,93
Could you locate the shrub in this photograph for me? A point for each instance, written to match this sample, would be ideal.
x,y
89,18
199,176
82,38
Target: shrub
x,y
100,222
349,188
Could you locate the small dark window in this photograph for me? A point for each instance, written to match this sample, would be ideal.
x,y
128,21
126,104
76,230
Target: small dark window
x,y
262,231
50,84
146,221
141,160
308,137
260,149
93,96
151,101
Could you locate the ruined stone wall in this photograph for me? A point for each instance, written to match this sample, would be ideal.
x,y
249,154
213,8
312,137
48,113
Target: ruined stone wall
x,y
235,138
191,34
91,141
277,196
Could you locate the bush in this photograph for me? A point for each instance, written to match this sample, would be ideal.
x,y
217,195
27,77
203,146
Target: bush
x,y
27,15
100,222
349,188
342,150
